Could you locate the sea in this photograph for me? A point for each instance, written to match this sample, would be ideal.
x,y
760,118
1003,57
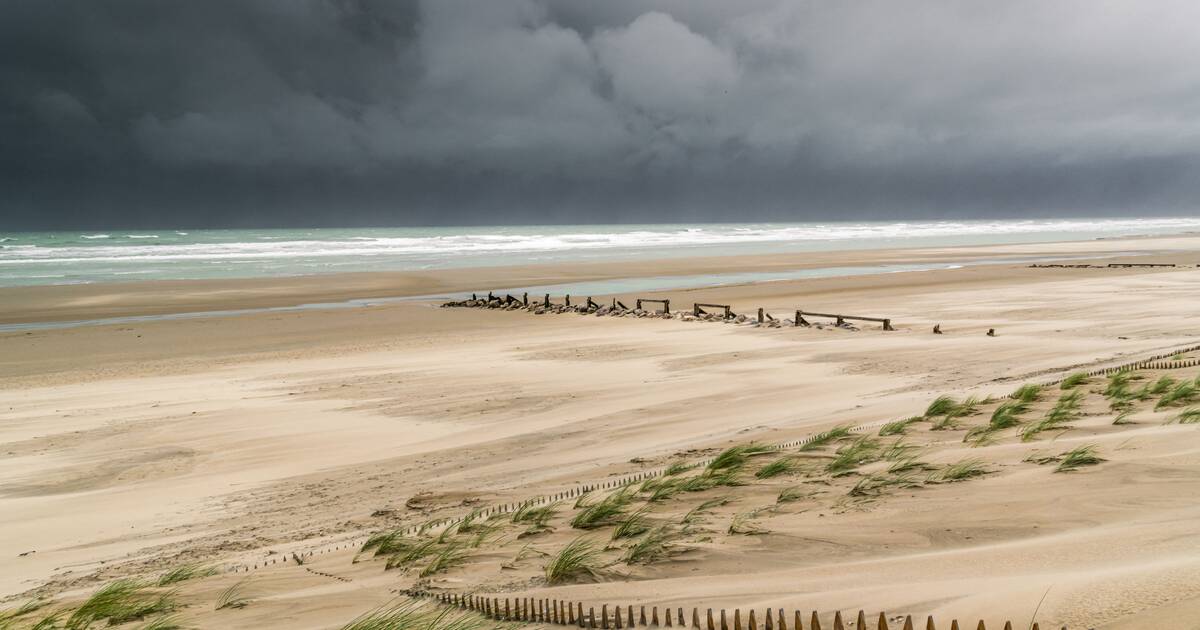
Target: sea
x,y
81,257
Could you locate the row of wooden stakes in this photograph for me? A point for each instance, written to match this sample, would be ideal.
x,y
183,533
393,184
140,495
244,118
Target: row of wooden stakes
x,y
563,613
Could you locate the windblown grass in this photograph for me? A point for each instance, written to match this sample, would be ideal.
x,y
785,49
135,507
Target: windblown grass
x,y
412,554
940,406
898,450
166,622
185,572
1182,393
1027,393
233,597
959,471
580,558
1079,457
1123,418
1063,412
710,479
119,602
9,617
898,427
387,543
735,457
450,556
851,456
695,513
791,494
633,524
653,547
1005,416
676,468
604,511
781,466
1073,381
1160,386
874,484
582,500
908,465
416,615
742,524
538,518
1189,416
665,490
822,439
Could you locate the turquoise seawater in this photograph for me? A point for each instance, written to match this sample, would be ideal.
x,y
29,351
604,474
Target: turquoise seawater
x,y
33,258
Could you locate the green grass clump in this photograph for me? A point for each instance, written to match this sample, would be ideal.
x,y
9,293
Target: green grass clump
x,y
1160,386
940,406
874,484
634,524
417,615
1078,457
538,518
603,512
233,597
450,556
653,547
1188,416
959,471
898,427
898,450
119,602
676,468
1118,385
1027,393
710,479
386,542
185,572
1073,381
1063,412
822,439
1181,393
8,618
791,494
416,552
907,465
580,558
695,513
781,466
1005,416
861,451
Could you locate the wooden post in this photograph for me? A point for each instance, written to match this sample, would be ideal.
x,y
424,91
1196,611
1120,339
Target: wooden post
x,y
929,623
883,624
546,303
980,626
724,622
580,609
710,621
768,621
861,622
815,623
568,299
604,615
908,624
525,298
696,310
654,615
752,625
837,621
737,619
760,315
666,306
507,611
591,617
639,304
953,624
617,617
797,625
630,613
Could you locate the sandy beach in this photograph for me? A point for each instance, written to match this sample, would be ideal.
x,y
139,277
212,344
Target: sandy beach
x,y
234,441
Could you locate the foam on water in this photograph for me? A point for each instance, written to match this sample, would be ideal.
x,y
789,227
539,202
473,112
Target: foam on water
x,y
176,254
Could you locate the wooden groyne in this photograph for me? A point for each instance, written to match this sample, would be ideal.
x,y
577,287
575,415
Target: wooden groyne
x,y
700,311
560,612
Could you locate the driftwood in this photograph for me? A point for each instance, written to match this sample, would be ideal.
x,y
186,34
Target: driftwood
x,y
841,319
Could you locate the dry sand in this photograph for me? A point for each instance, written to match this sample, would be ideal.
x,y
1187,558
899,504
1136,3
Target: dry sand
x,y
127,449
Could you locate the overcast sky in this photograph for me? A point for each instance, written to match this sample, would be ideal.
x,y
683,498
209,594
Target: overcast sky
x,y
364,112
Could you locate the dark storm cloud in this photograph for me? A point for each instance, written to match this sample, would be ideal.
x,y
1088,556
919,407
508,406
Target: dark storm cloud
x,y
292,112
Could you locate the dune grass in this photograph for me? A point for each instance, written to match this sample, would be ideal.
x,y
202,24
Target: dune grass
x,y
166,622
537,518
452,555
233,597
119,602
791,494
849,457
898,427
603,512
1077,458
781,466
742,524
1063,412
907,465
417,615
735,457
873,485
1188,416
579,558
1181,393
695,513
416,552
1027,393
677,468
185,572
633,524
653,547
959,471
1005,416
823,439
1073,381
940,406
